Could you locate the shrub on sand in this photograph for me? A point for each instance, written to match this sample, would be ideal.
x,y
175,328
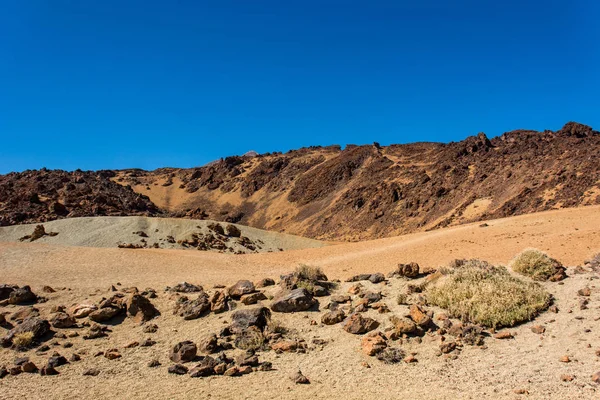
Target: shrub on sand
x,y
535,264
480,293
309,273
22,340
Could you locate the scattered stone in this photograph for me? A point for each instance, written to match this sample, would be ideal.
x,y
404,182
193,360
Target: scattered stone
x,y
56,360
333,317
147,343
48,289
183,352
178,369
357,324
539,329
565,359
75,357
253,298
241,288
294,301
243,319
209,344
139,308
192,309
596,377
403,325
62,320
96,332
410,359
219,302
418,315
355,289
340,298
503,335
82,310
586,291
373,343
410,270
154,363
15,370
91,372
447,347
265,282
131,345
185,287
22,295
377,277
29,367
285,346
48,370
299,378
361,277
105,314
567,378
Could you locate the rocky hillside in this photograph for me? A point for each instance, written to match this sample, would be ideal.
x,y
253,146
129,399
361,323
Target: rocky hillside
x,y
370,191
39,196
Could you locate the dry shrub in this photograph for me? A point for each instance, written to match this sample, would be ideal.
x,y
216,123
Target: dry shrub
x,y
309,273
23,339
250,339
483,294
535,264
391,355
308,285
277,327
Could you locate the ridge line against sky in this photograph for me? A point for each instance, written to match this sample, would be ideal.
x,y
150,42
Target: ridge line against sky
x,y
149,84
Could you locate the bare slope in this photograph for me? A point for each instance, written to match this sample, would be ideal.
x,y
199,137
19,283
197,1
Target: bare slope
x,y
166,233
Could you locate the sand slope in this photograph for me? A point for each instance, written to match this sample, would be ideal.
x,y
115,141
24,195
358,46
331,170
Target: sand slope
x,y
110,231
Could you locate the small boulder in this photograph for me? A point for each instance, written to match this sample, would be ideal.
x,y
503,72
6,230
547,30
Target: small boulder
x,y
372,343
241,288
418,315
294,301
243,319
299,379
82,310
253,298
91,372
48,370
22,295
357,324
403,325
140,309
219,302
209,344
410,270
105,314
37,326
178,369
29,367
185,287
377,277
62,320
183,352
264,283
333,317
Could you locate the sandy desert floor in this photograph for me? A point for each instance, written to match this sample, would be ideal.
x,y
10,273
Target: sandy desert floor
x,y
527,366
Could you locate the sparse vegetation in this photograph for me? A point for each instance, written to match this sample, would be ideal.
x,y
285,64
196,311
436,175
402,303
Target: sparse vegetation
x,y
483,294
391,355
277,327
23,339
401,299
309,273
250,339
535,264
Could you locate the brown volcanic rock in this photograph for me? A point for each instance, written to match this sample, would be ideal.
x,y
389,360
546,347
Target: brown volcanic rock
x,y
45,195
357,193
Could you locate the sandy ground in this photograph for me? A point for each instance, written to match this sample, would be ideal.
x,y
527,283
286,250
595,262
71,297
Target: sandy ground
x,y
110,231
529,362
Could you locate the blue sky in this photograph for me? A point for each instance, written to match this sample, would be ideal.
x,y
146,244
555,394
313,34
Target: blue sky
x,y
118,84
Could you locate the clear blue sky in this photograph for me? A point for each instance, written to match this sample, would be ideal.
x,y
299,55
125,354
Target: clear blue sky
x,y
116,84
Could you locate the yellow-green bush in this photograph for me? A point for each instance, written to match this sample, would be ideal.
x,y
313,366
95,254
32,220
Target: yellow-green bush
x,y
480,293
535,264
